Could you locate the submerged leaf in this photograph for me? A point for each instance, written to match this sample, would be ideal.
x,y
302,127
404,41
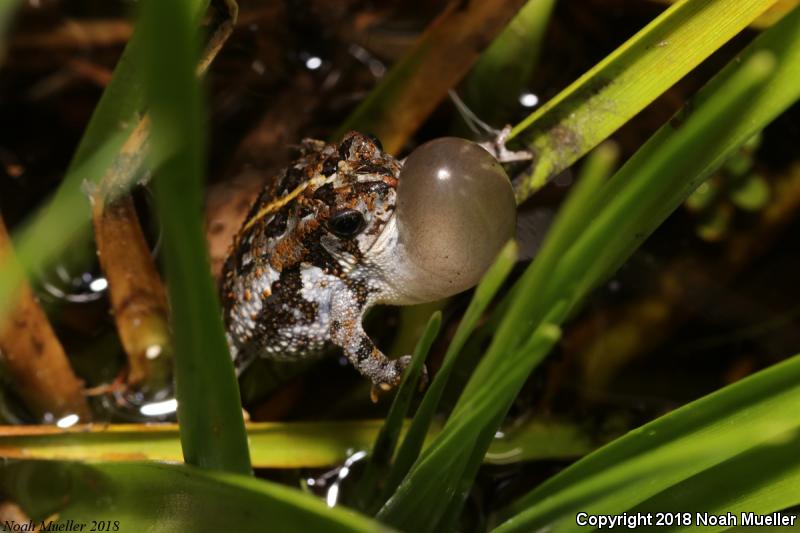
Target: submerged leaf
x,y
166,498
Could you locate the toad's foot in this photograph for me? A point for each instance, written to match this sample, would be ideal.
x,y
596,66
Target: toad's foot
x,y
399,368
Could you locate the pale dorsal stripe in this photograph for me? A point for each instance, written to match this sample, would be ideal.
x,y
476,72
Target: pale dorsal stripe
x,y
273,206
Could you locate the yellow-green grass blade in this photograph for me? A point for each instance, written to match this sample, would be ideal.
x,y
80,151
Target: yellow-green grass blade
x,y
697,155
166,498
762,480
209,410
274,444
599,102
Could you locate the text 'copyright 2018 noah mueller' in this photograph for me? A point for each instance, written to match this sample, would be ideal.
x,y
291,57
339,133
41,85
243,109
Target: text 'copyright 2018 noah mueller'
x,y
683,519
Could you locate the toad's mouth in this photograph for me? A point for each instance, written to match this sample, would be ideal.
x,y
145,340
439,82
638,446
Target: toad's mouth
x,y
386,238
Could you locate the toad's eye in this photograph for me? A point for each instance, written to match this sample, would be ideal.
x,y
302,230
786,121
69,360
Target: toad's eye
x,y
346,224
375,141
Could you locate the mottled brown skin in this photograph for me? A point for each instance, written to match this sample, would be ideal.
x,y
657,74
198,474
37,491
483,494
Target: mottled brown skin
x,y
311,259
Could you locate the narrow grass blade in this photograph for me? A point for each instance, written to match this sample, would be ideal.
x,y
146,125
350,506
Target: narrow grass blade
x,y
493,87
273,444
212,428
41,239
65,219
7,9
386,442
661,182
527,297
768,18
757,411
166,498
621,85
420,425
422,502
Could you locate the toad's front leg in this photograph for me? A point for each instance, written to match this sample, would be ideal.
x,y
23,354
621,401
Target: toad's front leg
x,y
347,332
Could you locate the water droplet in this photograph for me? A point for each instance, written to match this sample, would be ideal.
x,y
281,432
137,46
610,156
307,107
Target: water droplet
x,y
329,484
313,63
159,408
528,99
332,495
375,66
98,284
153,351
258,67
68,421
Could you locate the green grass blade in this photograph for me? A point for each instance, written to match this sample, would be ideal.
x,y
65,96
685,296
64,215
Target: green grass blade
x,y
757,411
611,93
762,480
65,219
563,281
494,84
212,428
675,153
523,311
7,9
495,411
661,181
423,418
167,498
45,235
424,498
123,99
386,442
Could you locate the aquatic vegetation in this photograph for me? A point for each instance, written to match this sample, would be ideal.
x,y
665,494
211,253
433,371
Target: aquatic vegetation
x,y
419,474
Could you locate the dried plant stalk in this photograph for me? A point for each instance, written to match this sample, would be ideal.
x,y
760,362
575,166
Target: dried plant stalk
x,y
34,358
442,55
138,300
